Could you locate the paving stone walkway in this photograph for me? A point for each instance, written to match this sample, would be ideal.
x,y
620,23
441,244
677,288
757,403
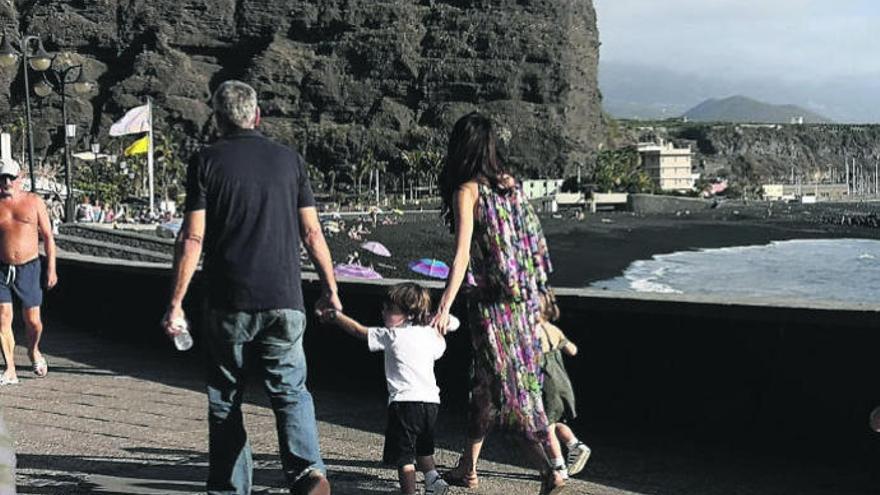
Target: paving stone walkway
x,y
113,418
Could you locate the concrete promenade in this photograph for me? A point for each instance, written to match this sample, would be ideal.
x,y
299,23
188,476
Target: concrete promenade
x,y
115,418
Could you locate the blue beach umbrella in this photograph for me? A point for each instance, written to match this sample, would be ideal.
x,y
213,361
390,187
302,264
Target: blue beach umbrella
x,y
430,268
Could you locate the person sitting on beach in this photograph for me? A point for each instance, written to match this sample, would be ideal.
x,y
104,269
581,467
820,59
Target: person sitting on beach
x,y
354,258
557,391
411,346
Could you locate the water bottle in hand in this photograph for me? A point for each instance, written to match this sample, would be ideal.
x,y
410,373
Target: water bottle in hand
x,y
183,341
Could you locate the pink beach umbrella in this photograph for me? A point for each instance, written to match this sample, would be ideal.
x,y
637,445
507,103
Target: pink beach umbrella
x,y
376,248
430,267
356,271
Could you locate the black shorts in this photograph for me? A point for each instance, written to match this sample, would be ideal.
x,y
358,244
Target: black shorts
x,y
410,432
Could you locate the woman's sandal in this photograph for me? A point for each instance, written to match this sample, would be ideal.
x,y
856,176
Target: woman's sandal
x,y
460,476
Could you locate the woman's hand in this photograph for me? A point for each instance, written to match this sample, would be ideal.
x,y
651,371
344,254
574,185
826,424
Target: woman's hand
x,y
440,322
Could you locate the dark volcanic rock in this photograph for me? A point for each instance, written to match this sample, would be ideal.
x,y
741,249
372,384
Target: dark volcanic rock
x,y
365,74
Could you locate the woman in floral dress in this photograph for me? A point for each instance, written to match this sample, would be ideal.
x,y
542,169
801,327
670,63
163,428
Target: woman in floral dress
x,y
498,234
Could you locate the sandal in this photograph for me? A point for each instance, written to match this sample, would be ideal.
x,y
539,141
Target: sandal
x,y
8,381
459,476
41,367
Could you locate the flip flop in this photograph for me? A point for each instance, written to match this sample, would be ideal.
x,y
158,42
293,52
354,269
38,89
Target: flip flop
x,y
8,381
41,367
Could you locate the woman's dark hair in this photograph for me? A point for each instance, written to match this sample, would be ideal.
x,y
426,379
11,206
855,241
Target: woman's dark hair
x,y
472,153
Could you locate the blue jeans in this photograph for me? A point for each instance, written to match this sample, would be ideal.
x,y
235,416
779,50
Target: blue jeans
x,y
269,343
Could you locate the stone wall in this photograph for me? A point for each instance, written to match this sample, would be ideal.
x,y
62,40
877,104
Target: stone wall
x,y
335,77
650,204
711,368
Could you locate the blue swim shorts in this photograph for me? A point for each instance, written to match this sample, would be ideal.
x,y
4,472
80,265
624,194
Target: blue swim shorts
x,y
24,281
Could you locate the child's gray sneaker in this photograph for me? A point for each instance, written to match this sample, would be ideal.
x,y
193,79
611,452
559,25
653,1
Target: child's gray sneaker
x,y
577,458
438,487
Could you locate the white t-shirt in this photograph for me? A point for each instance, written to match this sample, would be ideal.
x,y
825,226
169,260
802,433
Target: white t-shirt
x,y
410,352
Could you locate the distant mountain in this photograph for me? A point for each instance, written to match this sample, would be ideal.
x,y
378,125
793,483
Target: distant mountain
x,y
743,109
638,91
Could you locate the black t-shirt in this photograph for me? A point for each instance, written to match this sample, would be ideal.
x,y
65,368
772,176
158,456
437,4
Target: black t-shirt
x,y
251,189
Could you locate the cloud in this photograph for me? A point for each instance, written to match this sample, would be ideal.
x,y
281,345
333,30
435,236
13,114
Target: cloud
x,y
790,39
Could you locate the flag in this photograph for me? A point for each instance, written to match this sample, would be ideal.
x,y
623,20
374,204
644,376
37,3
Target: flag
x,y
138,147
135,121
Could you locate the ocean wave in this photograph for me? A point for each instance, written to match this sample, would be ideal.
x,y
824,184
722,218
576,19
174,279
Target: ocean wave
x,y
812,269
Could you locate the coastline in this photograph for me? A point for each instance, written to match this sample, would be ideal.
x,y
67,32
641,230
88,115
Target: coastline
x,y
604,244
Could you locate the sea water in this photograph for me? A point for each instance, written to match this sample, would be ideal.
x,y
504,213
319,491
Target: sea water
x,y
807,269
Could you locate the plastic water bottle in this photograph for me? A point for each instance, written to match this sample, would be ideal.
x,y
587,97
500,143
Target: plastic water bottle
x,y
183,341
453,324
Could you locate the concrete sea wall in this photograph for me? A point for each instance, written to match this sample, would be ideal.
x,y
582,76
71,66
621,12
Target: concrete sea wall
x,y
780,371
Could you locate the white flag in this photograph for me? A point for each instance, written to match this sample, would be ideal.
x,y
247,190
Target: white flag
x,y
135,121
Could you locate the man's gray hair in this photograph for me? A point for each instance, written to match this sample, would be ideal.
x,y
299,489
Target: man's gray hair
x,y
235,105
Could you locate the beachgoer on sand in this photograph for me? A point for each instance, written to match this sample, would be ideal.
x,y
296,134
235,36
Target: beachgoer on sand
x,y
251,215
411,346
498,235
24,219
558,394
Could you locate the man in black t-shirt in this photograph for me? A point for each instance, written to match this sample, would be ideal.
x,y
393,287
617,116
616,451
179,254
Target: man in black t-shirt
x,y
249,203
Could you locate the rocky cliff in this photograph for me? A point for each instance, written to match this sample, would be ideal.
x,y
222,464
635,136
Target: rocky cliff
x,y
335,77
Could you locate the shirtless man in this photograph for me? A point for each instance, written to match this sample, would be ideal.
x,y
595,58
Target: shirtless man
x,y
23,220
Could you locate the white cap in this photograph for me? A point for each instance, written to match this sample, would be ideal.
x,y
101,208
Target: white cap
x,y
8,166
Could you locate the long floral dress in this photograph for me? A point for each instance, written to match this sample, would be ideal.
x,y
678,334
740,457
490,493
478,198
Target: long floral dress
x,y
510,267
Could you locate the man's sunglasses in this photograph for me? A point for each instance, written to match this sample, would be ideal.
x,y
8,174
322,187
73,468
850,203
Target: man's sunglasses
x,y
9,178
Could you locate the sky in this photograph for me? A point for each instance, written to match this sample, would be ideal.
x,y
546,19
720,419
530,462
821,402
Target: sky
x,y
793,40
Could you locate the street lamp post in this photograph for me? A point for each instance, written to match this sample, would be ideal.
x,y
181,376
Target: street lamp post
x,y
39,60
56,80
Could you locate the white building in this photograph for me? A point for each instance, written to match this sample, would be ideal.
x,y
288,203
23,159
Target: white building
x,y
541,188
670,167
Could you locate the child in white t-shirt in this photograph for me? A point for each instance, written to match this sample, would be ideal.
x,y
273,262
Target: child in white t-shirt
x,y
411,346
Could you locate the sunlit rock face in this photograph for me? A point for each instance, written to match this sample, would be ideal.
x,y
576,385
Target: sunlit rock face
x,y
336,77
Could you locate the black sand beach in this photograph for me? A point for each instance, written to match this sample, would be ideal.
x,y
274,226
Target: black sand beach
x,y
603,245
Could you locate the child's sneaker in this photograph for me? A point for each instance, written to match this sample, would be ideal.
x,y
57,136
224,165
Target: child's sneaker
x,y
577,458
563,472
438,487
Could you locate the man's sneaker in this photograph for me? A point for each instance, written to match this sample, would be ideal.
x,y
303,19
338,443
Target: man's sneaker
x,y
438,487
577,458
311,483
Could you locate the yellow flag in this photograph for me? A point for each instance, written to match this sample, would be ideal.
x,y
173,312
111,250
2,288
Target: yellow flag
x,y
138,147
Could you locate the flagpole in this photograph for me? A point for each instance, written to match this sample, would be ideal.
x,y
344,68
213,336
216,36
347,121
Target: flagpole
x,y
150,156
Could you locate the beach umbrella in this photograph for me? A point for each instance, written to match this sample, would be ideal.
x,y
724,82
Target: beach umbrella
x,y
356,271
376,248
430,267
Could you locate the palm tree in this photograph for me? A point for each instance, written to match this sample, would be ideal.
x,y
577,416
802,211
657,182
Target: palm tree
x,y
362,168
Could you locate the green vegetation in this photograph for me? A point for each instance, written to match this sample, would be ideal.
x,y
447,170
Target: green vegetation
x,y
619,170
